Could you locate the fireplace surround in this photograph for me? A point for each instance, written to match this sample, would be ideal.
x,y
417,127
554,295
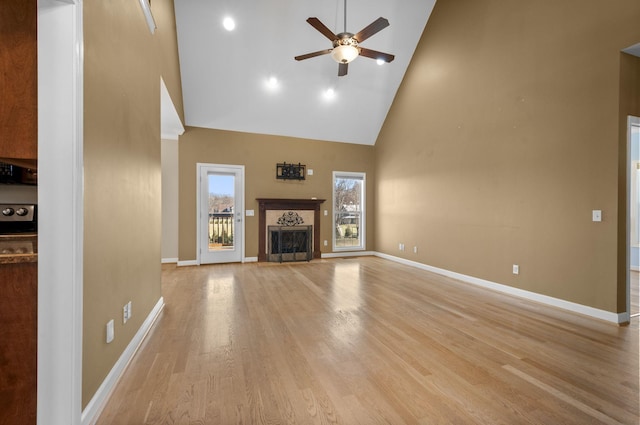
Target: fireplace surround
x,y
283,205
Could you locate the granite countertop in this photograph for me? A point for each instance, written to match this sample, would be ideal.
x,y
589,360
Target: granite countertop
x,y
18,248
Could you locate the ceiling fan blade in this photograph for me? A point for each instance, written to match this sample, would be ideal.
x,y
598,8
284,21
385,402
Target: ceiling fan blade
x,y
315,22
377,25
313,55
342,69
373,54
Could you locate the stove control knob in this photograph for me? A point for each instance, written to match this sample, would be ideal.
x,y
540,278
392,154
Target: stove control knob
x,y
7,212
22,212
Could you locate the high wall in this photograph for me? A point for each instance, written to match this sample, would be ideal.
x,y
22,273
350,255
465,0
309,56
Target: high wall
x,y
260,154
123,64
502,139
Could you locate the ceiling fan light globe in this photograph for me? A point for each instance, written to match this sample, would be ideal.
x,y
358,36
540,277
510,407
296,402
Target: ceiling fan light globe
x,y
344,53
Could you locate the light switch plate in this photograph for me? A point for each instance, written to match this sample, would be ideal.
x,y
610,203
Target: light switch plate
x,y
310,172
110,331
249,213
596,215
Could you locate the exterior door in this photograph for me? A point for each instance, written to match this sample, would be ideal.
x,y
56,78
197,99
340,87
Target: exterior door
x,y
220,208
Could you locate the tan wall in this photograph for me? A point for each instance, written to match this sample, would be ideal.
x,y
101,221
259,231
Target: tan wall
x,y
122,178
260,154
501,141
169,155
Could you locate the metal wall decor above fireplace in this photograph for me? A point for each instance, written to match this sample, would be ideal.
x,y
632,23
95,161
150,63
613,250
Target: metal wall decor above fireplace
x,y
286,171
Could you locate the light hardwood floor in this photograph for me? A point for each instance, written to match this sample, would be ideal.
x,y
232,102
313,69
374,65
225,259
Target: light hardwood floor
x,y
369,341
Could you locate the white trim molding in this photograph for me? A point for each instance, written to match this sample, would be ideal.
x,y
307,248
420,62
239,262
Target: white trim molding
x,y
532,296
186,263
91,413
60,213
342,254
169,260
148,16
250,260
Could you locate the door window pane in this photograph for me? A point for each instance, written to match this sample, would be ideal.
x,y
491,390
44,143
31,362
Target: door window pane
x,y
221,212
348,211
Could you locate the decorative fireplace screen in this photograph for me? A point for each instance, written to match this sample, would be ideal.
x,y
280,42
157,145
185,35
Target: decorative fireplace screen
x,y
289,243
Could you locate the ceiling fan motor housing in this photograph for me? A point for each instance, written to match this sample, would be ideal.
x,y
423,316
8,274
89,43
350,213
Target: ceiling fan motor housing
x,y
345,48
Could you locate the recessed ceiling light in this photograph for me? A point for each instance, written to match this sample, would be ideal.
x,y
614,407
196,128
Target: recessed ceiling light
x,y
229,24
329,93
272,82
380,62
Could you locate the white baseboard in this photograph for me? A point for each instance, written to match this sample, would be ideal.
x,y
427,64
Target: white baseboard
x,y
169,260
347,254
91,413
543,299
195,262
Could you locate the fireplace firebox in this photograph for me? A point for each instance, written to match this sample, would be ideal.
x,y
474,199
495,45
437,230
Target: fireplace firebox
x,y
289,243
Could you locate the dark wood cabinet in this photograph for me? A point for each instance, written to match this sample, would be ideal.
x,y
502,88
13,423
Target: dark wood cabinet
x,y
18,343
18,79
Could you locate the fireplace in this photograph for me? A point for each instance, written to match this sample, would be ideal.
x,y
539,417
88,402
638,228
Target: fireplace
x,y
278,208
289,243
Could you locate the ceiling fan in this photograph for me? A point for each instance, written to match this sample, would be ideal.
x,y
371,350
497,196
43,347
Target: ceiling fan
x,y
346,45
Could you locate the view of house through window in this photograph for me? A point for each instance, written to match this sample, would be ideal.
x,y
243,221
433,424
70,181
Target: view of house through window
x,y
348,210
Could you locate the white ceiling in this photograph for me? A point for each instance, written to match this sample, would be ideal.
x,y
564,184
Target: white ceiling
x,y
225,74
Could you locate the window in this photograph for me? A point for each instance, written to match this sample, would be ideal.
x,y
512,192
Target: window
x,y
348,211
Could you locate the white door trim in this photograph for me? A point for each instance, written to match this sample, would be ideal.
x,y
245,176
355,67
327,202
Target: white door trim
x,y
239,203
631,122
60,211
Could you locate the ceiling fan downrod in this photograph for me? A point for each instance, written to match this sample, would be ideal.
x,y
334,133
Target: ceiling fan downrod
x,y
345,16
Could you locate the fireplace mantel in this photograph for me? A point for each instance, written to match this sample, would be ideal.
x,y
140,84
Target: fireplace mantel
x,y
265,204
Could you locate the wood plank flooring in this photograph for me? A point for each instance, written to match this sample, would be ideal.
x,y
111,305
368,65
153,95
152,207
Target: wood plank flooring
x,y
369,341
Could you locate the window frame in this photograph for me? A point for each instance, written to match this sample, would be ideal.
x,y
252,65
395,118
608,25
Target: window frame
x,y
362,176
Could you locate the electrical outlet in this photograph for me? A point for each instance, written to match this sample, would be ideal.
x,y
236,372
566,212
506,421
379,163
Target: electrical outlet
x,y
110,331
325,242
596,215
415,249
516,269
126,312
401,247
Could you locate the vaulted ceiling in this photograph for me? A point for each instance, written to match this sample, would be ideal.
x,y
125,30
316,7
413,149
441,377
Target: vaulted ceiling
x,y
247,79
